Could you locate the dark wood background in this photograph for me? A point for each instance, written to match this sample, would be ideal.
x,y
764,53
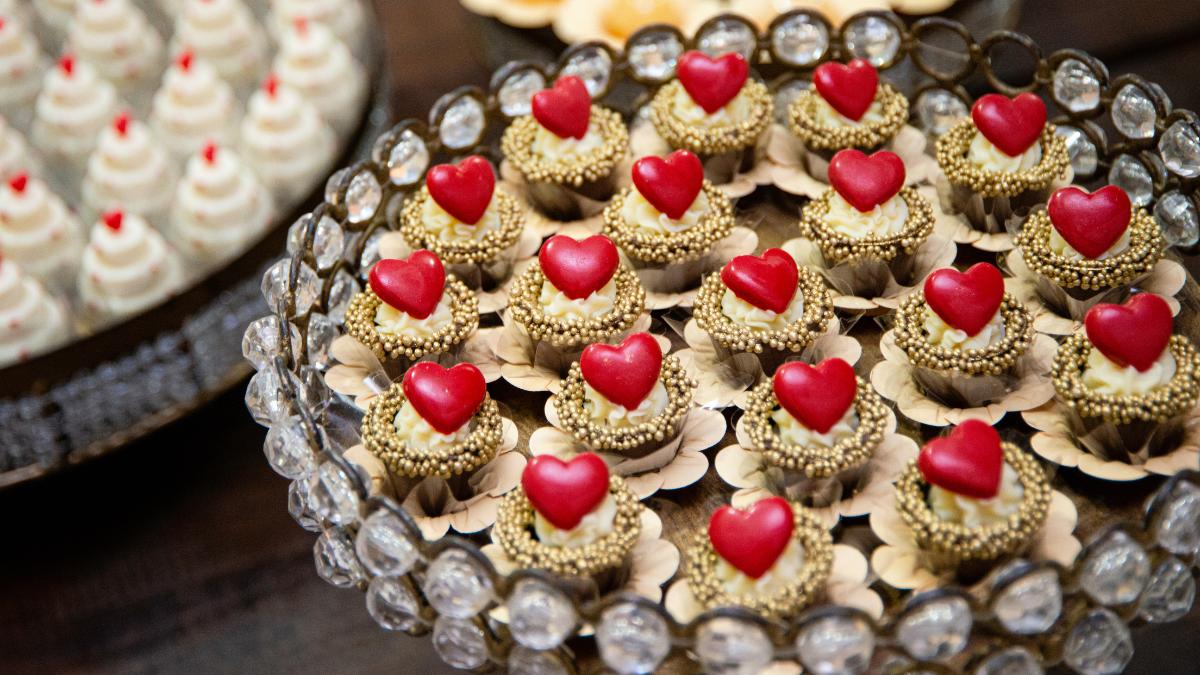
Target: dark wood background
x,y
177,554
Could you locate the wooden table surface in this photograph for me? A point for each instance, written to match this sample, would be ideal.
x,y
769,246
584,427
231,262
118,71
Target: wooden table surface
x,y
178,554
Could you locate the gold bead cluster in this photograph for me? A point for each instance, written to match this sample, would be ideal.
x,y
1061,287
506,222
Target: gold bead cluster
x,y
458,251
689,244
838,248
575,171
803,122
1173,398
1145,249
525,307
716,140
382,439
952,150
700,569
464,319
995,359
515,534
849,452
573,415
818,310
954,542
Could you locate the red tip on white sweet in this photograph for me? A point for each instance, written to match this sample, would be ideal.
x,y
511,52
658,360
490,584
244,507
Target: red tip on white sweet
x,y
67,64
300,23
113,219
271,85
184,61
19,182
209,152
121,123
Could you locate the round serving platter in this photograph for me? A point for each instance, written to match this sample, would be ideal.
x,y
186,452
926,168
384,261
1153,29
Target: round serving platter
x,y
1138,538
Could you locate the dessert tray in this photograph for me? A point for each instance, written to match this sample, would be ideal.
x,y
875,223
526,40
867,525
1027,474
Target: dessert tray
x,y
858,367
144,193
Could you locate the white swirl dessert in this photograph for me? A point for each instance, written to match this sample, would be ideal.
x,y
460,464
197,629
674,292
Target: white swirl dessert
x,y
782,574
983,154
15,154
193,107
285,141
613,415
127,267
220,206
1108,377
746,314
31,320
344,17
885,220
649,221
315,63
23,65
391,320
794,432
1059,247
418,433
972,512
828,116
115,37
736,111
225,34
129,170
38,231
559,305
597,524
943,335
74,106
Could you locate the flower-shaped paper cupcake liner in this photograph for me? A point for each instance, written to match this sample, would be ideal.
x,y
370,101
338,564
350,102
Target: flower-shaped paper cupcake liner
x,y
676,284
787,163
407,348
1122,269
740,138
493,245
726,171
823,141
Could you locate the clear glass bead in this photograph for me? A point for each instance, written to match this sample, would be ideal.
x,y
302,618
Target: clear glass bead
x,y
462,124
726,36
334,557
727,646
936,628
539,615
1099,644
384,546
1133,112
266,398
872,38
392,604
1177,522
370,252
1084,156
363,197
408,159
1180,149
632,639
1133,177
340,293
836,645
516,93
275,287
938,110
456,585
800,40
1116,570
1030,604
525,661
1170,593
1178,219
1011,661
298,506
786,95
287,449
1076,87
321,333
460,642
260,342
328,240
593,65
333,185
654,55
333,496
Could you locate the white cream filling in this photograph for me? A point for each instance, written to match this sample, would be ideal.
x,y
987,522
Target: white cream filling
x,y
220,207
556,304
441,225
649,221
941,334
552,148
30,320
392,321
22,63
225,34
952,508
38,232
194,107
795,432
316,64
987,156
604,412
593,527
129,171
886,220
783,573
128,270
736,111
116,38
743,313
1059,247
71,111
420,435
828,116
285,141
1104,376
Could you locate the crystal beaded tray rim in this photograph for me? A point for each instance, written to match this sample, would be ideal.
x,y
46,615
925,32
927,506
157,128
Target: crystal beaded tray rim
x,y
1130,572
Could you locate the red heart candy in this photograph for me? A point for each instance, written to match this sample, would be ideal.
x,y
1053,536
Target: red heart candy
x,y
965,300
866,181
849,88
624,374
712,82
967,462
565,492
463,190
669,183
413,285
768,281
1091,223
565,109
1133,334
1011,124
579,268
752,539
446,398
818,395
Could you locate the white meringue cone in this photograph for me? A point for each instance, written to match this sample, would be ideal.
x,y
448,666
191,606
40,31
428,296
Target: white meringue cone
x,y
225,34
344,17
315,63
285,141
127,267
194,106
31,320
220,206
24,65
116,38
75,104
129,170
39,232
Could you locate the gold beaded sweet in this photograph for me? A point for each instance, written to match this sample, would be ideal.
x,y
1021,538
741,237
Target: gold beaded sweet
x,y
463,251
804,123
995,359
818,311
952,149
360,324
1145,249
837,247
689,244
716,140
525,308
517,146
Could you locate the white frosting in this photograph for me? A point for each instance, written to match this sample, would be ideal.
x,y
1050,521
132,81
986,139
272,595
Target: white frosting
x,y
220,207
30,320
783,573
419,435
225,34
604,412
552,148
115,37
941,334
638,211
15,155
392,321
286,142
1059,247
1104,376
971,512
22,63
38,232
130,171
344,17
555,303
71,111
828,116
192,107
987,156
441,225
795,432
319,66
127,270
738,110
745,314
591,528
885,220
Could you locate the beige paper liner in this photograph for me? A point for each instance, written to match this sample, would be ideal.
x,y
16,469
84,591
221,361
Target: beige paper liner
x,y
644,140
676,284
786,158
902,565
543,225
949,223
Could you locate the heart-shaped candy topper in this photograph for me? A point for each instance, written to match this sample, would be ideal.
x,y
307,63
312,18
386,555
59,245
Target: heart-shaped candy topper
x,y
446,398
752,539
565,492
1132,334
849,88
1011,124
565,109
413,285
1090,223
768,281
818,396
967,462
19,182
965,300
624,374
579,268
669,183
113,220
866,181
712,82
463,190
